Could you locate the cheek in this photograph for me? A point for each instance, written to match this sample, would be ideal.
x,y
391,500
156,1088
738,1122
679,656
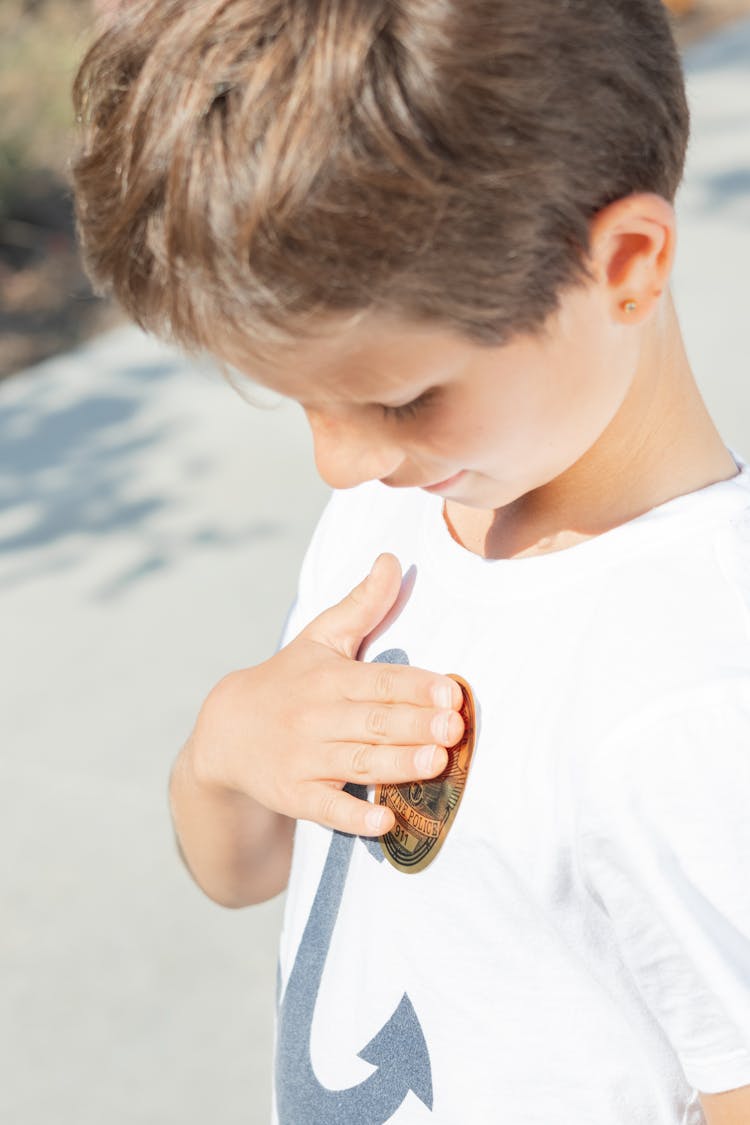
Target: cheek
x,y
455,436
479,429
600,390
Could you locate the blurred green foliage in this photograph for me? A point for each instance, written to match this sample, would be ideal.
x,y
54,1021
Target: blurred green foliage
x,y
41,42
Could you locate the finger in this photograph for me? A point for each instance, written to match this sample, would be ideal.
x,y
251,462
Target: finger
x,y
333,808
394,724
343,626
381,765
400,683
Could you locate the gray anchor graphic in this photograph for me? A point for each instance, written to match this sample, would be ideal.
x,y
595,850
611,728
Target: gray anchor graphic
x,y
398,1050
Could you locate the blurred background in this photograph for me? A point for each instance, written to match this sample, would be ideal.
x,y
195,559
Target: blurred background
x,y
45,302
152,523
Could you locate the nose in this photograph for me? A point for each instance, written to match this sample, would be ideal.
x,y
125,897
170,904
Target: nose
x,y
349,452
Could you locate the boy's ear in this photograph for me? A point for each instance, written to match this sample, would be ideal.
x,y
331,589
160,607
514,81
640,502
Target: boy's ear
x,y
632,248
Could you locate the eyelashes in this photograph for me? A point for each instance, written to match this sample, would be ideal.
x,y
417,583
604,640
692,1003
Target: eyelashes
x,y
410,409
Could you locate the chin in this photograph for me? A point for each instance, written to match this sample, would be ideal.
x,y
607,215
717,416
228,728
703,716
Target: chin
x,y
489,498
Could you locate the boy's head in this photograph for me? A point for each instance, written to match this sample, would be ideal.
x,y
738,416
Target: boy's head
x,y
251,166
367,202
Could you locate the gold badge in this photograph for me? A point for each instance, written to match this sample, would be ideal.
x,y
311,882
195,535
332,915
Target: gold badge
x,y
425,810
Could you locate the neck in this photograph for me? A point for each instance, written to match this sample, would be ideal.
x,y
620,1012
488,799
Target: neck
x,y
662,443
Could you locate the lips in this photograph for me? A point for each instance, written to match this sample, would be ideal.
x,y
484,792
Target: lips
x,y
442,485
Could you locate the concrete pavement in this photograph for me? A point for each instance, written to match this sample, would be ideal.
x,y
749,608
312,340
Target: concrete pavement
x,y
151,528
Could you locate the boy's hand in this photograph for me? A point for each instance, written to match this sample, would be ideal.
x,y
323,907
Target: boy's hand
x,y
292,731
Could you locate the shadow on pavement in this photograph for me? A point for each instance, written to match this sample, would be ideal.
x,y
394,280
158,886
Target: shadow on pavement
x,y
71,475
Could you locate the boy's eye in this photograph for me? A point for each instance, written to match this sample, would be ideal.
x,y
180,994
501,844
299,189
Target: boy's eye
x,y
409,409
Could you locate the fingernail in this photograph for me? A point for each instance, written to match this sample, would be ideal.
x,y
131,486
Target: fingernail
x,y
374,820
423,760
441,726
442,695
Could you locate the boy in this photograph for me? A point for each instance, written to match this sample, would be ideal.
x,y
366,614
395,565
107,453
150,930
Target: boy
x,y
445,227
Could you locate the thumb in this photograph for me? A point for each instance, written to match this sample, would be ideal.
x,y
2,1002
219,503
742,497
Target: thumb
x,y
343,626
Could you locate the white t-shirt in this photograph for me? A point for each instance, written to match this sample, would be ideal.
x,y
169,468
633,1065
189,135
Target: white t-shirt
x,y
578,953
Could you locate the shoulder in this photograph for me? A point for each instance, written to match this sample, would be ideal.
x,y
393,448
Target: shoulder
x,y
671,620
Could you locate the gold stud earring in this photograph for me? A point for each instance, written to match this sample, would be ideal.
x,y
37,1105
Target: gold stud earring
x,y
630,306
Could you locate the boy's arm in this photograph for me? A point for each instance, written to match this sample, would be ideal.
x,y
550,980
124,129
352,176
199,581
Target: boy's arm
x,y
279,741
730,1108
238,852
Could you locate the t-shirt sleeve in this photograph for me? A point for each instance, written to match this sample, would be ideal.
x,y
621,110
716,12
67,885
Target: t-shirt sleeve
x,y
664,845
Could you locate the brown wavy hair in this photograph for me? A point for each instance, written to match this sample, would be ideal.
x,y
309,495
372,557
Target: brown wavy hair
x,y
248,166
